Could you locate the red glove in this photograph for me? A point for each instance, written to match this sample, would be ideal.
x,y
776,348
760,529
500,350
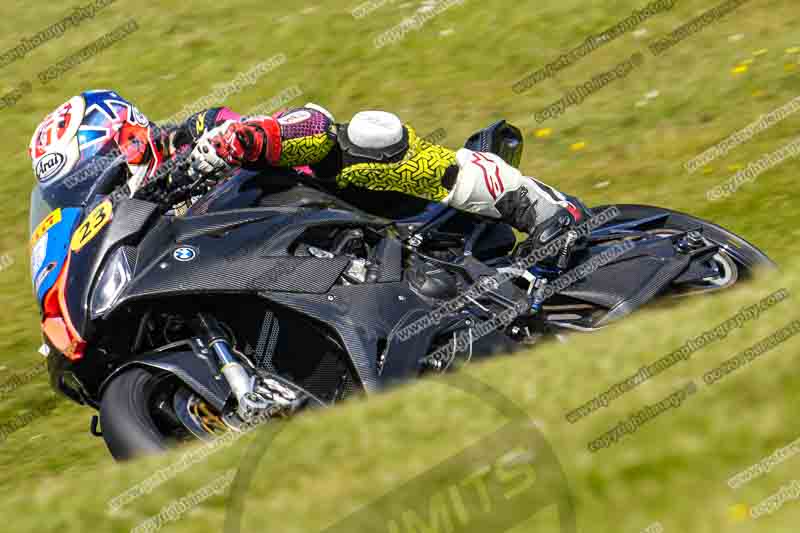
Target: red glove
x,y
236,144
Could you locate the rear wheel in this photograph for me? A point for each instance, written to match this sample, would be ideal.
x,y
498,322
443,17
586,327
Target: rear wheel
x,y
726,267
737,258
735,261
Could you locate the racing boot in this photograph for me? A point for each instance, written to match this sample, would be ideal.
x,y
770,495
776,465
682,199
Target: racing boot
x,y
484,184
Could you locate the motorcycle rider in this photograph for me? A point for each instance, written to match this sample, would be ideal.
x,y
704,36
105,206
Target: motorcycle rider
x,y
374,151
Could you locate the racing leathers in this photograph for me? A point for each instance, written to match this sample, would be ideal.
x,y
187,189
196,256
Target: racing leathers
x,y
375,151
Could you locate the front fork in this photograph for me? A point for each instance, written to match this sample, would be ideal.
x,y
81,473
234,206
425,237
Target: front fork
x,y
241,380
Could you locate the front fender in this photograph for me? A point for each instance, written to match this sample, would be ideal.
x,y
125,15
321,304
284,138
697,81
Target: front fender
x,y
192,368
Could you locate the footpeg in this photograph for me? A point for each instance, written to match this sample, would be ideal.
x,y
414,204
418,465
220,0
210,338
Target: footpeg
x,y
566,251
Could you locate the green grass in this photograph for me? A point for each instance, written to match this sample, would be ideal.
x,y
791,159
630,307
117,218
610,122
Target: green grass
x,y
323,466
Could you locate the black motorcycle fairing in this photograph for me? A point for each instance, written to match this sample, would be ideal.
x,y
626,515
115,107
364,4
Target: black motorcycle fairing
x,y
238,251
364,317
83,380
618,280
389,204
642,217
314,285
367,317
301,195
287,188
645,292
130,217
281,187
275,187
395,363
302,221
500,138
655,264
698,268
627,283
75,379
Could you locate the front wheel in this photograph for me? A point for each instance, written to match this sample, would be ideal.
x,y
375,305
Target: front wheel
x,y
146,412
143,412
129,428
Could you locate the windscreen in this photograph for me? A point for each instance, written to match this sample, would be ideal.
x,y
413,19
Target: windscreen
x,y
39,209
98,176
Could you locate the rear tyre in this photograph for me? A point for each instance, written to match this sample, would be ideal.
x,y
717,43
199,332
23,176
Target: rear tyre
x,y
727,267
747,257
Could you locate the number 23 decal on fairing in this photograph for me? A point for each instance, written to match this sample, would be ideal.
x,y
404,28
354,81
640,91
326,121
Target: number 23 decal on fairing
x,y
90,227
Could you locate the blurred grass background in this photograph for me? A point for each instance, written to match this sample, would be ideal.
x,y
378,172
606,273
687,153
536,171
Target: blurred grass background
x,y
625,144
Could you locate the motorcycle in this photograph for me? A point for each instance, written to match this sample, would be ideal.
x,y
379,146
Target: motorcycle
x,y
270,295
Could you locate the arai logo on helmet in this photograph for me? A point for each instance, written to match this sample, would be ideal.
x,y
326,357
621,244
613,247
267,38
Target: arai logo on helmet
x,y
50,165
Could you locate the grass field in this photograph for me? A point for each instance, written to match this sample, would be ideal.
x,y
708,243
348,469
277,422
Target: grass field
x,y
627,143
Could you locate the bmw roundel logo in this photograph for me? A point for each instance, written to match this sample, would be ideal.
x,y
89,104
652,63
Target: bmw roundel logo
x,y
184,253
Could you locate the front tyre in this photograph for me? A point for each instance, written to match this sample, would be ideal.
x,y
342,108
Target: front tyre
x,y
146,412
126,415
